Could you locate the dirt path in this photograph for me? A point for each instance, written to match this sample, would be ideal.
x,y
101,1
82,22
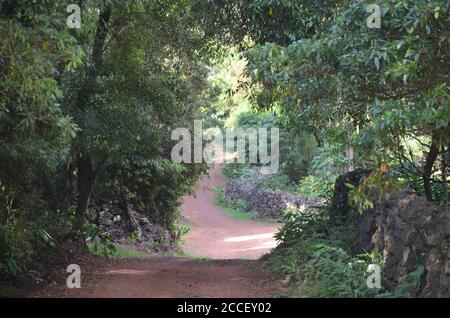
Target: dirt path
x,y
171,277
214,235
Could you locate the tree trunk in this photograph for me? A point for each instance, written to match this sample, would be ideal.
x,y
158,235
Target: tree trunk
x,y
8,8
86,173
445,192
429,163
443,175
85,184
67,190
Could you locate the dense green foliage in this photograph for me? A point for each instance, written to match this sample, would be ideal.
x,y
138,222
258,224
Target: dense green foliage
x,y
86,116
238,209
376,99
381,94
376,91
318,258
296,151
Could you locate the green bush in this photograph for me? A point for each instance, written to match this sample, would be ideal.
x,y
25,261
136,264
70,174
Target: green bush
x,y
408,285
332,272
238,209
296,150
99,244
296,154
316,256
234,170
221,199
312,186
25,238
319,257
329,162
280,182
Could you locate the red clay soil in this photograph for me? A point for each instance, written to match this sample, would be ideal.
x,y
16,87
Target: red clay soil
x,y
228,273
216,235
171,277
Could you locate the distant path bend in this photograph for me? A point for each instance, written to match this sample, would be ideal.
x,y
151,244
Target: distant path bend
x,y
215,234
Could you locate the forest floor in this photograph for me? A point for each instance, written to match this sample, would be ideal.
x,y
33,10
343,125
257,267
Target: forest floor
x,y
221,259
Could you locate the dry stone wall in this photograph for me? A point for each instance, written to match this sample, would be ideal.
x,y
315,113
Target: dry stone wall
x,y
409,231
266,203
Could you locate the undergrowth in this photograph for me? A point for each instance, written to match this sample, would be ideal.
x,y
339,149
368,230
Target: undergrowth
x,y
238,209
318,257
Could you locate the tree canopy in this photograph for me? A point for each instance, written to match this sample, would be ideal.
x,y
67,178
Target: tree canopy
x,y
86,114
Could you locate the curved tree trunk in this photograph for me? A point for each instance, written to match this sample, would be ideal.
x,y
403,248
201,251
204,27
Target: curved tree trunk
x,y
429,163
85,184
86,172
